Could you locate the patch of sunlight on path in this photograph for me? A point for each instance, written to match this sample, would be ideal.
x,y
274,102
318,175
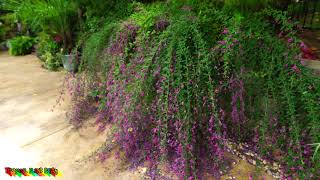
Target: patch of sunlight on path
x,y
11,155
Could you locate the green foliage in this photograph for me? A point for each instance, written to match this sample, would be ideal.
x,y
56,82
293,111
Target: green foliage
x,y
2,33
245,5
97,32
147,15
280,21
21,45
6,27
52,16
92,24
46,44
51,61
94,46
104,8
182,46
286,96
316,150
48,51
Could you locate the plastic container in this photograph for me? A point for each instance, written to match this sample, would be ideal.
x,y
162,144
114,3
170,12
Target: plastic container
x,y
70,62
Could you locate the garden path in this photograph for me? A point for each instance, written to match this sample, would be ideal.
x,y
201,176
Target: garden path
x,y
31,135
312,39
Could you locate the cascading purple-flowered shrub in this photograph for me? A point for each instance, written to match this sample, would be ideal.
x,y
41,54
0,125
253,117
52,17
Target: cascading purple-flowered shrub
x,y
174,100
143,98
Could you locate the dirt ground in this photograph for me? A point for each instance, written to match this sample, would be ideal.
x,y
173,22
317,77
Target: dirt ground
x,y
31,135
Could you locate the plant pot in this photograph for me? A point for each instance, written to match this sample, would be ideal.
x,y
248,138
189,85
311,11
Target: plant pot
x,y
70,62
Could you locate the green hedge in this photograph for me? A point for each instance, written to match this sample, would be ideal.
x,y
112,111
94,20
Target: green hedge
x,y
20,45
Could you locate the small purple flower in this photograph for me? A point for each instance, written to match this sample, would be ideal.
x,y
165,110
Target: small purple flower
x,y
290,40
191,178
122,67
155,130
296,69
161,25
222,42
303,62
250,177
280,35
225,31
102,157
303,45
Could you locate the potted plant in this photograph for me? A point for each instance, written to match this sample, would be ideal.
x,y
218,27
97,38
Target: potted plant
x,y
57,18
70,61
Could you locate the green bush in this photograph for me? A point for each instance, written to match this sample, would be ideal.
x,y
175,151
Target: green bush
x,y
7,27
20,45
256,5
52,16
2,32
46,44
51,61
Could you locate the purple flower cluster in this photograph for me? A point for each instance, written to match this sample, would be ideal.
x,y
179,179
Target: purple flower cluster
x,y
82,106
229,41
154,130
237,100
161,25
122,39
180,104
296,69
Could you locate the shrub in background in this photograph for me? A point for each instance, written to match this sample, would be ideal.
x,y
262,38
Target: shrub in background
x,y
51,61
48,51
52,17
7,26
46,44
21,45
3,31
249,5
